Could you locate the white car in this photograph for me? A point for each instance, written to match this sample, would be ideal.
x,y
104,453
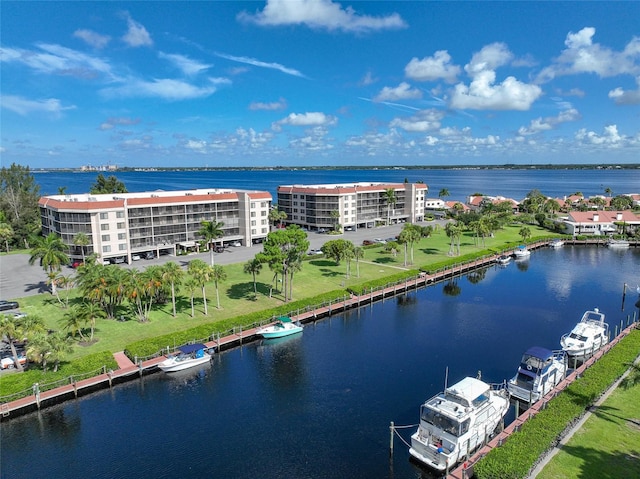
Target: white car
x,y
379,241
135,257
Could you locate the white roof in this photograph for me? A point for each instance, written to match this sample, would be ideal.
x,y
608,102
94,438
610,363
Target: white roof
x,y
469,388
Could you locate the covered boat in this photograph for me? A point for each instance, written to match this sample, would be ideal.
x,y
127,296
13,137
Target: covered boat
x,y
503,259
521,252
457,421
618,243
282,327
588,336
188,356
539,372
556,243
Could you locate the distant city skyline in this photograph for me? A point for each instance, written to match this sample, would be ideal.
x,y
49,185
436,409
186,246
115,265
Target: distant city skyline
x,y
319,82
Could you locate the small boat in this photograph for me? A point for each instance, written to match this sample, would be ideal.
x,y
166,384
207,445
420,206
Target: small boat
x,y
539,372
521,252
503,259
556,243
457,421
588,336
620,244
282,327
189,355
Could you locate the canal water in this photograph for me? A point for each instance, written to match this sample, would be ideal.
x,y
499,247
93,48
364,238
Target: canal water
x,y
319,404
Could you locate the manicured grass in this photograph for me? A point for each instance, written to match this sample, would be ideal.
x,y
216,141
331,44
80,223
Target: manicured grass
x,y
318,275
608,444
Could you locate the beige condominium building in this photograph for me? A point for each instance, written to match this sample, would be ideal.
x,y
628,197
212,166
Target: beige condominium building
x,y
352,205
154,223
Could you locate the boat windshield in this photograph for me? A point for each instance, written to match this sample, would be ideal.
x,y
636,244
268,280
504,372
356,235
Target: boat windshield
x,y
579,337
443,422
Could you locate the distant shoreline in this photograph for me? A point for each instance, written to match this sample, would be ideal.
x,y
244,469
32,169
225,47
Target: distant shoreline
x,y
105,170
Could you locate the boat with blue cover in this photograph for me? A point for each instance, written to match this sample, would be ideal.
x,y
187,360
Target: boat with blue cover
x,y
539,372
188,356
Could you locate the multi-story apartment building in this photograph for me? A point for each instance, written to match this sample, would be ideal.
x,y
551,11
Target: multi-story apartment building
x,y
352,205
158,222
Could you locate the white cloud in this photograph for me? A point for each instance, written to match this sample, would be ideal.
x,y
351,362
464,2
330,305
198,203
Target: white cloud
x,y
199,146
137,35
166,89
610,137
626,97
305,119
58,60
258,63
425,120
320,14
584,56
111,123
483,94
401,92
24,107
273,106
433,68
188,66
92,38
368,79
539,124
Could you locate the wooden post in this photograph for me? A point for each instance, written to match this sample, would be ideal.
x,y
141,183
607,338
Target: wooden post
x,y
391,429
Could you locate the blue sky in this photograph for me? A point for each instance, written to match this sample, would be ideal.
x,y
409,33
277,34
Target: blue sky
x,y
319,82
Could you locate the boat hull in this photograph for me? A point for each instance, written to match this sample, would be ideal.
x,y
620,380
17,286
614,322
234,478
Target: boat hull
x,y
173,364
267,333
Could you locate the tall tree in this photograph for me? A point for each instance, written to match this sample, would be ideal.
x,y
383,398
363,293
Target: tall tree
x,y
211,231
282,250
358,254
90,312
390,198
191,285
276,216
201,272
81,239
45,347
218,274
6,233
172,273
50,251
19,195
107,185
253,267
443,193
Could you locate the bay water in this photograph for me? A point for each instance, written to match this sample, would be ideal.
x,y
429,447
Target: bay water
x,y
319,404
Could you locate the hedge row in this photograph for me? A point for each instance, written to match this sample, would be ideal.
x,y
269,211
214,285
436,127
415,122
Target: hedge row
x,y
151,346
519,454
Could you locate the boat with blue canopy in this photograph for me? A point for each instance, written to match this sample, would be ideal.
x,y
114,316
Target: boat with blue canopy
x,y
188,356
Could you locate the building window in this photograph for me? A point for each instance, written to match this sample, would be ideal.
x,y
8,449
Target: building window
x,y
119,214
253,231
104,216
263,213
122,236
263,222
121,226
253,205
264,230
122,246
264,204
253,222
104,227
106,238
253,214
106,249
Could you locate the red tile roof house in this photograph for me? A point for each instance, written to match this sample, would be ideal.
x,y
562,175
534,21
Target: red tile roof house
x,y
599,223
476,202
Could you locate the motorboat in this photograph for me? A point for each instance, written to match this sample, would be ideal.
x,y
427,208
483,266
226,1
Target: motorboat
x,y
556,243
188,356
588,336
503,259
282,327
457,421
617,243
521,252
539,372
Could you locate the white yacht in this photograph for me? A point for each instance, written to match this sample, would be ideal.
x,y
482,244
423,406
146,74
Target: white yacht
x,y
618,244
556,243
521,252
539,372
457,421
588,336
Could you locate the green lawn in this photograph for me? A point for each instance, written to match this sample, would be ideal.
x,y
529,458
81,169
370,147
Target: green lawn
x,y
608,444
318,275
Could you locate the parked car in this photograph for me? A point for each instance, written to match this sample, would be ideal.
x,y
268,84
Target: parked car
x,y
150,255
236,243
135,257
313,252
219,249
76,263
379,241
7,305
349,228
367,243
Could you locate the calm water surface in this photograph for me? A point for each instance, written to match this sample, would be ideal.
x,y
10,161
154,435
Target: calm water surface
x,y
318,405
460,183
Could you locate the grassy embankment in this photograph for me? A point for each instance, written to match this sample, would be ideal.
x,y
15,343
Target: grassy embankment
x,y
318,275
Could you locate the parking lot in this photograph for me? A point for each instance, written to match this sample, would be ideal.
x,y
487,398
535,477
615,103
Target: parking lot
x,y
19,279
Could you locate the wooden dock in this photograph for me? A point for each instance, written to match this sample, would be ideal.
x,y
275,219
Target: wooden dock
x,y
128,369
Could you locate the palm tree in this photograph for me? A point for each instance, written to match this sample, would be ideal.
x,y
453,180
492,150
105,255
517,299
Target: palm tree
x,y
50,250
89,312
525,233
49,347
211,231
218,274
191,284
201,273
443,193
335,218
73,322
172,273
253,267
13,329
390,198
358,253
81,239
